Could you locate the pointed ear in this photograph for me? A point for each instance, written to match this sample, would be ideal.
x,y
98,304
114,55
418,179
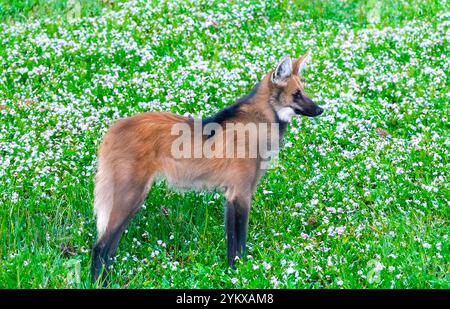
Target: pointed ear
x,y
300,63
282,72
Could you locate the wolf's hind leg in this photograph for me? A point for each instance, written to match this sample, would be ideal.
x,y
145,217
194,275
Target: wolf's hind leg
x,y
127,194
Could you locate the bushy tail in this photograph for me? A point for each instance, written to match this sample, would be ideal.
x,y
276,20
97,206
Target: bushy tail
x,y
103,195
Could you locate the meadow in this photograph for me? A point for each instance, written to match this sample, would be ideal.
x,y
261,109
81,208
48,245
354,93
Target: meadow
x,y
359,197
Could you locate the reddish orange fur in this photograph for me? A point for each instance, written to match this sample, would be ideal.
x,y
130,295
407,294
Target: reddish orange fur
x,y
138,148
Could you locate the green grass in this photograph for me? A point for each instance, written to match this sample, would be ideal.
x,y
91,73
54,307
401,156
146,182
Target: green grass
x,y
345,207
360,13
23,10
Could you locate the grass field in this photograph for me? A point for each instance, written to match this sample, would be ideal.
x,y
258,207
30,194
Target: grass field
x,y
360,197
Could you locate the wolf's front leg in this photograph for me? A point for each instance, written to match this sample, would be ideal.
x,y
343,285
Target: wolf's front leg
x,y
237,212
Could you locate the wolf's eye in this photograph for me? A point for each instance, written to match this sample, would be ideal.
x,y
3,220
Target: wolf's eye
x,y
297,95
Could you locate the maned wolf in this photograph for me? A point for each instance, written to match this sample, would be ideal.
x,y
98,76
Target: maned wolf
x,y
138,148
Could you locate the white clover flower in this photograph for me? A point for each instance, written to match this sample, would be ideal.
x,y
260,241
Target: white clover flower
x,y
331,210
378,267
340,230
274,281
329,261
22,70
314,202
290,270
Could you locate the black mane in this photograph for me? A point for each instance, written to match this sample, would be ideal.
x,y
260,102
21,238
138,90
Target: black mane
x,y
230,111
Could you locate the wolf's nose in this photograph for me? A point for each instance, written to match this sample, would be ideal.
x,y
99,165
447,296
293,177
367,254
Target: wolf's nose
x,y
319,110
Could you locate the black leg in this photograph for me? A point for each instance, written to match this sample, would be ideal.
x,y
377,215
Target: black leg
x,y
241,229
236,224
100,262
230,223
103,251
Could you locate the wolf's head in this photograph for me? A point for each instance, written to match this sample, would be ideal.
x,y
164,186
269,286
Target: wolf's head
x,y
288,96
